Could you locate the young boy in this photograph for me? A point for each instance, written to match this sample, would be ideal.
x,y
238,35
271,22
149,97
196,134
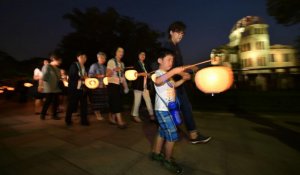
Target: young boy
x,y
165,92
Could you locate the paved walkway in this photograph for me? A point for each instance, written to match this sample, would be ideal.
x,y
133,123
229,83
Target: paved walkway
x,y
242,144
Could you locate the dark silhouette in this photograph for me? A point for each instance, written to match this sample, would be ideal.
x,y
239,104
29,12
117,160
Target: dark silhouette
x,y
96,30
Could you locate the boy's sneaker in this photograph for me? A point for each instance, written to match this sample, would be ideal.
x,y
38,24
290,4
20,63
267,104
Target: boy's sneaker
x,y
172,166
200,139
157,157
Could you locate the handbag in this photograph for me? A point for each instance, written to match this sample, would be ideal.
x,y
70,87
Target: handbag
x,y
173,109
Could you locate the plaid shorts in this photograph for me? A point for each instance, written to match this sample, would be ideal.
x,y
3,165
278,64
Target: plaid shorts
x,y
167,128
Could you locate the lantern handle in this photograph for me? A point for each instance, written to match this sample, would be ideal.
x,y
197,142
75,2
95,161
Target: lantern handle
x,y
189,66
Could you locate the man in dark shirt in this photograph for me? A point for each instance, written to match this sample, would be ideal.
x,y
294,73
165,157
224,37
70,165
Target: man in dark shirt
x,y
176,32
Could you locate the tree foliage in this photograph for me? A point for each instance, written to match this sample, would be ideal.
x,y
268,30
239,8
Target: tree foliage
x,y
104,31
286,12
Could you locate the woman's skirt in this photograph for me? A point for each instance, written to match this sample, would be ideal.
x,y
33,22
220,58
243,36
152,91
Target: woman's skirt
x,y
99,99
115,98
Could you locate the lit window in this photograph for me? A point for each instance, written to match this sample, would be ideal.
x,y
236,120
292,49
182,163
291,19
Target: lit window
x,y
286,57
272,58
247,62
260,45
261,61
245,47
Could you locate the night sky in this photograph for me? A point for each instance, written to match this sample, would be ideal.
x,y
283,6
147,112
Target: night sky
x,y
33,28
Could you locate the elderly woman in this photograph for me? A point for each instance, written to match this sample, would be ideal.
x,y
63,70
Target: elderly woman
x,y
116,79
99,98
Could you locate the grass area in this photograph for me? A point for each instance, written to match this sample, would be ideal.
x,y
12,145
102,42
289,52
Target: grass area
x,y
257,101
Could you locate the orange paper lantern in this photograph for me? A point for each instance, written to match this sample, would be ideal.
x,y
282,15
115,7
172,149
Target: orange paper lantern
x,y
91,83
131,75
214,79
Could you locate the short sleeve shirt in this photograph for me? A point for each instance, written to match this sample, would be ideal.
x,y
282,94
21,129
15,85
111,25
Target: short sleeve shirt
x,y
165,91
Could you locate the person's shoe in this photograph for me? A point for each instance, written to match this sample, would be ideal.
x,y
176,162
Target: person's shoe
x,y
136,119
56,118
172,166
100,118
69,123
200,139
42,117
157,157
123,126
85,124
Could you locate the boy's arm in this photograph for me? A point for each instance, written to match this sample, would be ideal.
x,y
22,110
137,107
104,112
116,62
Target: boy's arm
x,y
181,81
162,79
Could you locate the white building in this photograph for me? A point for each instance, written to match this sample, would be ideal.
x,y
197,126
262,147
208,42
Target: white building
x,y
250,54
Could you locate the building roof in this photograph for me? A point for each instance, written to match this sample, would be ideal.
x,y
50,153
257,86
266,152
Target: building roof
x,y
280,46
246,21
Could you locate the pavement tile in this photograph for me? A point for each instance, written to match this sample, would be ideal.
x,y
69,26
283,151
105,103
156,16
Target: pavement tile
x,y
102,158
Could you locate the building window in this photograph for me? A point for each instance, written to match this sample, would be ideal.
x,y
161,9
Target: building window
x,y
272,58
260,45
245,47
260,31
286,57
247,62
261,61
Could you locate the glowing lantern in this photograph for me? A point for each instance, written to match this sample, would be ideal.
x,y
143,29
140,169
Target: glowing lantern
x,y
1,91
91,83
10,88
66,84
28,84
131,75
105,81
153,77
214,79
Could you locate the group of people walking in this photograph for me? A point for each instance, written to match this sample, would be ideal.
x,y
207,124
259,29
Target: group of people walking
x,y
168,84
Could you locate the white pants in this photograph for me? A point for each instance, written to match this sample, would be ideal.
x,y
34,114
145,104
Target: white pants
x,y
137,102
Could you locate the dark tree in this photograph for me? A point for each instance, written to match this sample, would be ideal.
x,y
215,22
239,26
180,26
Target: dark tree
x,y
104,31
286,12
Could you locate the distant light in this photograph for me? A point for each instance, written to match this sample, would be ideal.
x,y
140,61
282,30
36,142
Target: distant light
x,y
1,91
28,84
10,88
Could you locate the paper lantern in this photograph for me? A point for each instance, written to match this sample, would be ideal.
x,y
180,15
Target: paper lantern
x,y
10,88
153,77
91,83
214,79
105,81
131,75
66,84
28,84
